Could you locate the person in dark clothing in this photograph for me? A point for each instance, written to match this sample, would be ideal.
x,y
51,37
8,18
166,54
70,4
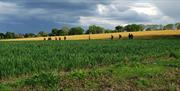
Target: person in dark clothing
x,y
59,38
49,38
112,37
129,36
120,36
64,37
132,36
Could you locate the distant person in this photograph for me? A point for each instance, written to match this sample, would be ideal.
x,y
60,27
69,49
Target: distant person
x,y
132,36
59,38
55,38
49,38
64,37
112,37
120,36
129,36
44,38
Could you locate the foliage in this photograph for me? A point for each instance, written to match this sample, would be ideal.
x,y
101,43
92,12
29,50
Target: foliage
x,y
4,87
93,29
29,35
178,25
169,27
83,65
108,31
76,31
2,36
133,28
153,27
119,28
28,57
9,35
54,32
63,31
19,35
42,34
47,80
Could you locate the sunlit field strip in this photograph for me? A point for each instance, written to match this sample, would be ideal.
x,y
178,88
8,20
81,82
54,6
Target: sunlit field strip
x,y
104,36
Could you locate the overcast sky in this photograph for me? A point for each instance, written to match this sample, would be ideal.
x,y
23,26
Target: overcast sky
x,y
24,16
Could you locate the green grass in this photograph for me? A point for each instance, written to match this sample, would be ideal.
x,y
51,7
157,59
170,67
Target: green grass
x,y
94,64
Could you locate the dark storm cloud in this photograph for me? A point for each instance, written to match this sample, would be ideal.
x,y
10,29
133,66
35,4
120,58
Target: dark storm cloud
x,y
42,15
52,13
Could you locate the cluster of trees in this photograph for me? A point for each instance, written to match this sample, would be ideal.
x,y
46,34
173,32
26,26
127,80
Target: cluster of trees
x,y
66,31
7,35
93,29
162,27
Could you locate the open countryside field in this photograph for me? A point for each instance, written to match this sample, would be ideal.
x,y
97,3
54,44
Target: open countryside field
x,y
94,65
137,35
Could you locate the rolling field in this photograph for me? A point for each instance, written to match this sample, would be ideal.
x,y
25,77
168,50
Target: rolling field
x,y
137,35
141,64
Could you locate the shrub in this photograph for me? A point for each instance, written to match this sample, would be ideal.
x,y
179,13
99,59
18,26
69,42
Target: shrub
x,y
47,80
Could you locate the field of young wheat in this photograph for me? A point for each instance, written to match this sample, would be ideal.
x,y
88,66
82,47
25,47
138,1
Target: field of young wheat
x,y
151,64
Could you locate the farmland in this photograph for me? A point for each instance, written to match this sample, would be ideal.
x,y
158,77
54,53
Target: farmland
x,y
137,35
141,64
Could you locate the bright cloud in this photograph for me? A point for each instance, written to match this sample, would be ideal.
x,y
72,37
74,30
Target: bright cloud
x,y
135,12
145,8
99,21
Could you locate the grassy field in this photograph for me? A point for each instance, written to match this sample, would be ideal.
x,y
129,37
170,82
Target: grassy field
x,y
137,35
151,64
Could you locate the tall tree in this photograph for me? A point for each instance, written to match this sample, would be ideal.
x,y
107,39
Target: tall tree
x,y
42,34
9,35
169,27
108,31
19,35
93,29
63,31
2,36
153,27
133,28
119,28
76,30
178,26
54,32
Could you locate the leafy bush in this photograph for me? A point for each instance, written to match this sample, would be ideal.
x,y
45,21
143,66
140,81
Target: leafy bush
x,y
79,74
47,80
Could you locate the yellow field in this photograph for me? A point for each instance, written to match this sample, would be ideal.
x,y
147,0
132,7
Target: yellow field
x,y
142,34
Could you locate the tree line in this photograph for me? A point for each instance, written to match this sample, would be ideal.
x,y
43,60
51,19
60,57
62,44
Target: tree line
x,y
93,29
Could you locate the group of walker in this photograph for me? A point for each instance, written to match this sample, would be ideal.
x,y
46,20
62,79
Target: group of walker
x,y
56,38
130,36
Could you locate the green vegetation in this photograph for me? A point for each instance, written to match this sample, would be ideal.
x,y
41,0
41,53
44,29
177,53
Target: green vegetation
x,y
133,28
76,31
90,65
93,29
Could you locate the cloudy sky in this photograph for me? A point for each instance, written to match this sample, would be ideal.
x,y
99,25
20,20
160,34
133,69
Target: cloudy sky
x,y
24,16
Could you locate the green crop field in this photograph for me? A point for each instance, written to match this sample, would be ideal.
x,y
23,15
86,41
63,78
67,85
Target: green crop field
x,y
94,65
